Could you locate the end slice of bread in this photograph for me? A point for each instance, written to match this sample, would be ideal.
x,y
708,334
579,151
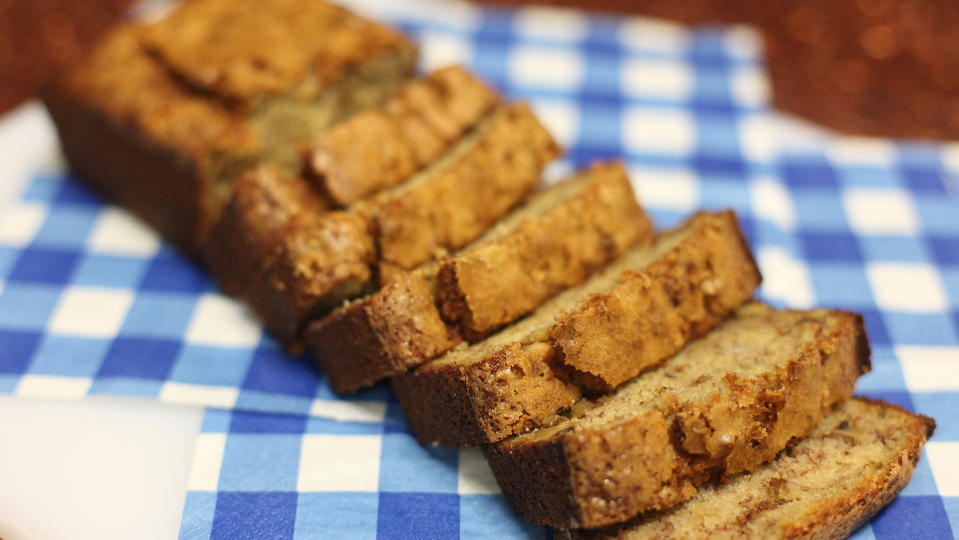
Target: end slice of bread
x,y
380,148
727,403
248,234
554,240
827,485
632,315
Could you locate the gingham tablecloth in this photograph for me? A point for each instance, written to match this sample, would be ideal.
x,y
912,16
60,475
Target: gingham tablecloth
x,y
93,302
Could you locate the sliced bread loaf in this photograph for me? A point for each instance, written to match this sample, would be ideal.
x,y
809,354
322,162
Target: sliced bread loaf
x,y
380,148
632,315
321,259
551,242
827,485
727,403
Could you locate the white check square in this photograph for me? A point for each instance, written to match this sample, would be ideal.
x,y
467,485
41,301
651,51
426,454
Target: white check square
x,y
880,211
339,463
640,33
475,476
659,131
907,287
199,394
222,321
19,223
53,386
944,462
552,23
560,117
658,79
117,232
929,369
207,462
440,50
785,278
749,86
558,69
657,187
771,201
90,312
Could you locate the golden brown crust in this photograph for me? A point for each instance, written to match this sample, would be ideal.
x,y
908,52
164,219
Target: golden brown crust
x,y
681,296
385,333
827,485
380,148
735,427
463,200
322,261
496,283
219,46
648,315
248,234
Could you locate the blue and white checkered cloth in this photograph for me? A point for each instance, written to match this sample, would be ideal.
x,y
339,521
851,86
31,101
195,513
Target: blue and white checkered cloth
x,y
93,302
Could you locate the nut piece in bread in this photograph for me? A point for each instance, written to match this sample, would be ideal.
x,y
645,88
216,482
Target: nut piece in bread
x,y
578,224
656,297
827,485
727,403
380,148
162,118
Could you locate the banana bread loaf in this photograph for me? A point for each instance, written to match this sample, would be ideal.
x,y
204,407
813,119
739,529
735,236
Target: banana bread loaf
x,y
554,240
726,404
632,315
827,485
162,118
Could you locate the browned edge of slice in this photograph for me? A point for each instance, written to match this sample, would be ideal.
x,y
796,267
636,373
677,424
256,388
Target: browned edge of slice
x,y
861,492
322,261
646,459
248,234
512,389
380,335
462,201
496,283
380,148
399,326
681,296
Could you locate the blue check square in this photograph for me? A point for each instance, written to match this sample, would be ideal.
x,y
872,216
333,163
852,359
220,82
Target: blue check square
x,y
254,516
17,349
45,265
418,515
147,358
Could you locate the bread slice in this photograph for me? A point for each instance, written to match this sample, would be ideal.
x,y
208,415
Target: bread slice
x,y
632,315
495,283
827,485
453,202
726,404
553,241
382,147
245,240
321,260
162,118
